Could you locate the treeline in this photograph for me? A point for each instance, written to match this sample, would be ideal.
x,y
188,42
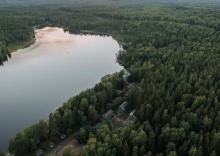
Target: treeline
x,y
14,33
29,139
80,111
172,53
86,108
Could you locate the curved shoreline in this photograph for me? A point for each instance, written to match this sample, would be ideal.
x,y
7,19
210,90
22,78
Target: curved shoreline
x,y
98,80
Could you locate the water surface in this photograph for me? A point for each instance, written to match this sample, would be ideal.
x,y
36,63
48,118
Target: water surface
x,y
38,79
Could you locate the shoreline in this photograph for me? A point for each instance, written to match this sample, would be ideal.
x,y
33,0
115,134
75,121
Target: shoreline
x,y
14,48
33,41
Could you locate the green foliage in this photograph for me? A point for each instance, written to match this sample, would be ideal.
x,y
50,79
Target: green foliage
x,y
172,53
69,150
28,140
83,135
53,128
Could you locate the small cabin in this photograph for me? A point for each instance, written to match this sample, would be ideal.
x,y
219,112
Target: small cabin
x,y
51,144
129,85
131,115
126,74
39,152
109,113
123,106
94,129
118,92
62,136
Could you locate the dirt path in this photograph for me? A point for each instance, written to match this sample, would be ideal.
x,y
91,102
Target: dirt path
x,y
72,141
77,147
69,141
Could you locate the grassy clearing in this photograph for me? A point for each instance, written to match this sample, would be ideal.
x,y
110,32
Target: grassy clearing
x,y
116,121
124,115
115,124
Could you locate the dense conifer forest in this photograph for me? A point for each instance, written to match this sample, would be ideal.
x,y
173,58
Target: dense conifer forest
x,y
172,53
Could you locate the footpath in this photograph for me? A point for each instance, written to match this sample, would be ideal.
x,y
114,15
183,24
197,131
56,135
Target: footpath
x,y
60,146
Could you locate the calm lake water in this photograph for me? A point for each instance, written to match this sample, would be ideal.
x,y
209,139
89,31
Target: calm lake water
x,y
38,79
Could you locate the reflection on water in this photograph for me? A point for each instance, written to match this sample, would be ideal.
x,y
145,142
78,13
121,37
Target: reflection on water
x,y
38,79
55,35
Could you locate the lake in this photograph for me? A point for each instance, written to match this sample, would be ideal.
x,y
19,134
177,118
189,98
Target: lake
x,y
38,79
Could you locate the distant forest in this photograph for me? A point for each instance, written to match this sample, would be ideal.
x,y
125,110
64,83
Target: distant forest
x,y
23,2
172,53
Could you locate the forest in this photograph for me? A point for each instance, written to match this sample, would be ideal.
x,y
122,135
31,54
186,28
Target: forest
x,y
172,53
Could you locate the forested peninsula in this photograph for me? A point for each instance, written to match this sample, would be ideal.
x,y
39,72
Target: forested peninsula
x,y
171,54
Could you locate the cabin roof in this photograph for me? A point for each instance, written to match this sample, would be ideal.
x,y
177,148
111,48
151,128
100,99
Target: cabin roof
x,y
39,152
129,85
126,73
132,112
97,126
124,104
108,113
63,135
51,144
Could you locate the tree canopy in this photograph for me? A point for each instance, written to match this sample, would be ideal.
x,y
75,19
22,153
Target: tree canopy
x,y
172,53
